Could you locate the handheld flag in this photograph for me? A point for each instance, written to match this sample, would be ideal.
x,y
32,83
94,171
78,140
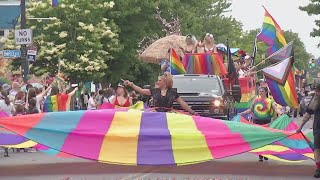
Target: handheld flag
x,y
176,66
271,34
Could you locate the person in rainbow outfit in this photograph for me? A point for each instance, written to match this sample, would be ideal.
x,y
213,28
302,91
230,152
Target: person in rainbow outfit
x,y
263,109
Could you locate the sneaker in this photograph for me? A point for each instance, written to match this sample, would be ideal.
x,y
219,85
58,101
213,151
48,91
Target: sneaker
x,y
317,174
6,155
265,158
260,158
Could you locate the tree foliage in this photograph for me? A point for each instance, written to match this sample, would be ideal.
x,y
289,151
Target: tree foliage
x,y
313,9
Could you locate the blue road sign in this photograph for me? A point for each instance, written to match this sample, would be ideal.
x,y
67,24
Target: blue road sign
x,y
11,53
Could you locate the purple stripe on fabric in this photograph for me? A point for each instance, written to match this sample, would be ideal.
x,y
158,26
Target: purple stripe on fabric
x,y
11,139
80,143
292,157
154,144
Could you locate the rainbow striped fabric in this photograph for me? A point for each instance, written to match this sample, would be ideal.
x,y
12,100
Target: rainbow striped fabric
x,y
176,65
56,3
294,148
60,102
271,34
200,63
141,138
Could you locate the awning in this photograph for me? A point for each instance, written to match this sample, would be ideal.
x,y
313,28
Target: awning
x,y
9,14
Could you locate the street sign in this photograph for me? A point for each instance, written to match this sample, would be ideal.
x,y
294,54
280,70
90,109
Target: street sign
x,y
23,36
32,52
11,53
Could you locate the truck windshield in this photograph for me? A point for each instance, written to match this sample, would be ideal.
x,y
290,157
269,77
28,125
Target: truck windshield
x,y
197,85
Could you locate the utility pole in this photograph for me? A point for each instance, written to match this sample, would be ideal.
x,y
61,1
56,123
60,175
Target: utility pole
x,y
24,61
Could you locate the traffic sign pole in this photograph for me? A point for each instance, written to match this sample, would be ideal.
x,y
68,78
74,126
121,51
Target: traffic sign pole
x,y
25,62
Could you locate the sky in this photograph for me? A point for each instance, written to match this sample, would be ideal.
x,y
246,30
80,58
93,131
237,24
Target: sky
x,y
286,12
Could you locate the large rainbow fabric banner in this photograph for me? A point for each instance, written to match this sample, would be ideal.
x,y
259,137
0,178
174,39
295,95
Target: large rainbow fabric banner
x,y
142,138
204,63
60,102
295,148
271,34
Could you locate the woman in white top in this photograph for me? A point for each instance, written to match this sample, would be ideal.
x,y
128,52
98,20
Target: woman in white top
x,y
5,104
91,102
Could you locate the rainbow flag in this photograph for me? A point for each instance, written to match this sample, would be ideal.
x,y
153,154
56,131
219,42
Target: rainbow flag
x,y
201,63
281,82
176,65
55,3
60,102
271,34
150,138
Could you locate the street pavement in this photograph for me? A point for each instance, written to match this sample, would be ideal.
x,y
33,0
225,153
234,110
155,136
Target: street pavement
x,y
40,166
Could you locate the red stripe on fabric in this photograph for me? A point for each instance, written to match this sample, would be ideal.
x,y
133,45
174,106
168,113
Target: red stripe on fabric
x,y
222,145
21,124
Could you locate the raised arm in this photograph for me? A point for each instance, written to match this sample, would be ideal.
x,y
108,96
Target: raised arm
x,y
142,91
45,91
73,92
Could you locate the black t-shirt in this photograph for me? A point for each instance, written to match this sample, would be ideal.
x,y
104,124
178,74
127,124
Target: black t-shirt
x,y
163,101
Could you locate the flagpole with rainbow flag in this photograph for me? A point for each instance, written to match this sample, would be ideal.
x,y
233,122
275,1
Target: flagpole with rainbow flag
x,y
272,35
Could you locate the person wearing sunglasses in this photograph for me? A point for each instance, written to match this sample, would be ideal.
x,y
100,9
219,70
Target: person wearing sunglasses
x,y
314,109
263,109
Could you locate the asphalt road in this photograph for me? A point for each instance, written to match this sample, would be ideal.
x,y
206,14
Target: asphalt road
x,y
39,166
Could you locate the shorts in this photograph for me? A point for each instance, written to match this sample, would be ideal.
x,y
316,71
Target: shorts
x,y
261,122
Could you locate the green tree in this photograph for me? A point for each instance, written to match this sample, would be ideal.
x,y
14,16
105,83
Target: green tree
x,y
301,56
136,20
313,9
74,38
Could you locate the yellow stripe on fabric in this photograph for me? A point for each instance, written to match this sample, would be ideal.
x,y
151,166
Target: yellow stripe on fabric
x,y
26,144
309,155
188,143
289,94
275,148
268,20
281,38
54,101
246,97
282,160
121,141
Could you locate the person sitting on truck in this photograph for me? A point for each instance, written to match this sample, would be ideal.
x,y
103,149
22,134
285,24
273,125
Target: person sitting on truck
x,y
263,109
208,44
163,95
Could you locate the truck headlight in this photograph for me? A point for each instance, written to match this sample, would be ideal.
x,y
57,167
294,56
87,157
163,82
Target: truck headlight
x,y
216,103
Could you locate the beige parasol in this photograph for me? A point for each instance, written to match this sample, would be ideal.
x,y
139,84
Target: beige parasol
x,y
159,49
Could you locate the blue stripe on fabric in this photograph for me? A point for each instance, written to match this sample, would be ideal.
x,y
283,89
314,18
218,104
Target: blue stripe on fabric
x,y
53,128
